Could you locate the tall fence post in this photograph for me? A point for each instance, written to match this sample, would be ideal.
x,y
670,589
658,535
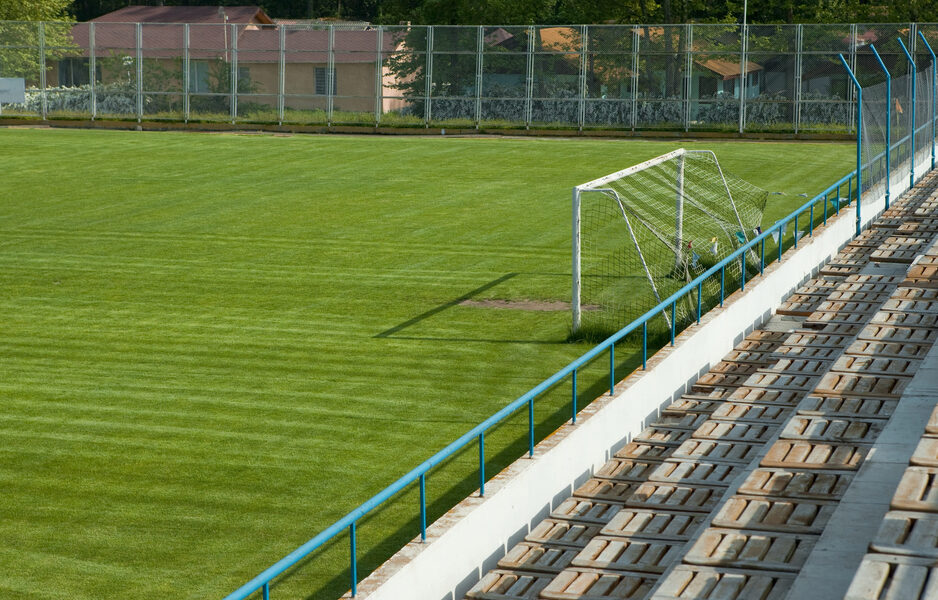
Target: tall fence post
x,y
853,63
529,80
428,88
859,140
934,93
379,74
888,118
743,75
138,35
331,78
92,72
480,46
282,73
636,40
799,67
912,118
233,103
581,104
688,74
43,100
186,75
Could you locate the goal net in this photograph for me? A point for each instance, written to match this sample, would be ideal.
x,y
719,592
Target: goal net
x,y
643,233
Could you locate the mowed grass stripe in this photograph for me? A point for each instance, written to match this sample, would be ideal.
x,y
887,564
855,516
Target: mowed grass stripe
x,y
193,379
209,240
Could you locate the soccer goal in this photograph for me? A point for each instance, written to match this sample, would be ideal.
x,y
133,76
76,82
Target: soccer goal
x,y
642,233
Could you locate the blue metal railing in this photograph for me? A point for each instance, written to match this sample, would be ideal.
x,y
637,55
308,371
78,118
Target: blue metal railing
x,y
829,197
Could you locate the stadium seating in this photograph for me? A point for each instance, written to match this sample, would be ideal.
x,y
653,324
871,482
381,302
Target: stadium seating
x,y
742,487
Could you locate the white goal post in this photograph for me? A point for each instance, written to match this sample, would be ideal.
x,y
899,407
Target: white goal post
x,y
649,243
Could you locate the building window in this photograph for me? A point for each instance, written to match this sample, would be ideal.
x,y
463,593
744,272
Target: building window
x,y
198,77
73,72
321,82
244,79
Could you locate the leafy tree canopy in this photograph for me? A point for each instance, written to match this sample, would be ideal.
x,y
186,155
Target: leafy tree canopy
x,y
526,12
35,10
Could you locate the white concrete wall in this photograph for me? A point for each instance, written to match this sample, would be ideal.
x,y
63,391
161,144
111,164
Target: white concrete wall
x,y
468,541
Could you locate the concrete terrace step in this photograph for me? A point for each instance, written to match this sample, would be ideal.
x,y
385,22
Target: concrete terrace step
x,y
728,492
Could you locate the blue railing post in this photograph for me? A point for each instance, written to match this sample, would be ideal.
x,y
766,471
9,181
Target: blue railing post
x,y
888,119
266,591
699,301
423,507
859,138
673,320
531,428
825,206
794,234
644,345
934,93
781,235
573,409
762,258
912,132
482,464
722,284
353,562
742,272
612,368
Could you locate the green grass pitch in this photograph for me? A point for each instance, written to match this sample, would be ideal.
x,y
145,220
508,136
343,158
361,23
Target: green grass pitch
x,y
213,346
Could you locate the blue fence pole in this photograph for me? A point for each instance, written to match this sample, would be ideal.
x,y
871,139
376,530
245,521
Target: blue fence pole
x,y
612,368
859,138
645,345
934,93
699,301
673,320
266,591
482,464
888,118
722,285
573,404
912,132
423,507
353,562
762,258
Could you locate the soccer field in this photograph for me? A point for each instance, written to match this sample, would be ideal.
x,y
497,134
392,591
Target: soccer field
x,y
213,346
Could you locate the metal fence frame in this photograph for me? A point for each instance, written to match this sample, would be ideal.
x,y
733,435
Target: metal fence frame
x,y
635,67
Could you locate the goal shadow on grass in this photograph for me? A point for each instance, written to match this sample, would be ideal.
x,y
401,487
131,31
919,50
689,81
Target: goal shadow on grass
x,y
395,332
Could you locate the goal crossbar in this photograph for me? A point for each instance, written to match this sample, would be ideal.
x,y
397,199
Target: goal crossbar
x,y
634,205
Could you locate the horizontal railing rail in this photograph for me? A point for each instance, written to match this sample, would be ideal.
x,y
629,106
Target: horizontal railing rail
x,y
831,197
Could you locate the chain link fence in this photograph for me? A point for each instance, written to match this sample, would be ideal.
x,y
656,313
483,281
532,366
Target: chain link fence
x,y
777,78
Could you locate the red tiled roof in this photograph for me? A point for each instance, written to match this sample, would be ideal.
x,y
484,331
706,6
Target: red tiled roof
x,y
212,41
186,14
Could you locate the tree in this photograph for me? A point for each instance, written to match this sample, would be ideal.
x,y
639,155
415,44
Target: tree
x,y
23,59
35,10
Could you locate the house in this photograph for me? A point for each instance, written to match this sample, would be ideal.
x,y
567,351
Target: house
x,y
213,45
721,77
